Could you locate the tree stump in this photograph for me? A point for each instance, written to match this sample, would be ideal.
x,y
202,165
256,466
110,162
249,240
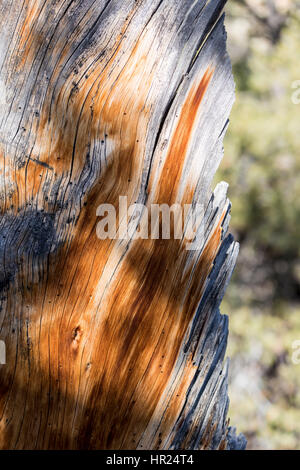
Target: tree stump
x,y
112,343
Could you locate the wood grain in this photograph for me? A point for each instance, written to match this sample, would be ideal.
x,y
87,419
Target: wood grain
x,y
112,344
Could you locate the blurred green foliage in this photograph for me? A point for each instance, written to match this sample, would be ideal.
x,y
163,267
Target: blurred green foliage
x,y
262,164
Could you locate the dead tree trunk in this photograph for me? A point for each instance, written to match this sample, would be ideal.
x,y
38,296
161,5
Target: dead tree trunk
x,y
112,344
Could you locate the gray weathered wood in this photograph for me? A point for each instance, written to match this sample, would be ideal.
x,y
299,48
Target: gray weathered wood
x,y
112,344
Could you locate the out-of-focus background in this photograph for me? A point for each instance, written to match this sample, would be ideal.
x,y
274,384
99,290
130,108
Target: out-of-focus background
x,y
261,164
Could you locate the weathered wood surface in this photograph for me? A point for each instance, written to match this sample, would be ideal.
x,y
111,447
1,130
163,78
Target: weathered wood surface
x,y
112,344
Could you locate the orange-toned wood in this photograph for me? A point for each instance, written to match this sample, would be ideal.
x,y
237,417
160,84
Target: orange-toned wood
x,y
112,344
